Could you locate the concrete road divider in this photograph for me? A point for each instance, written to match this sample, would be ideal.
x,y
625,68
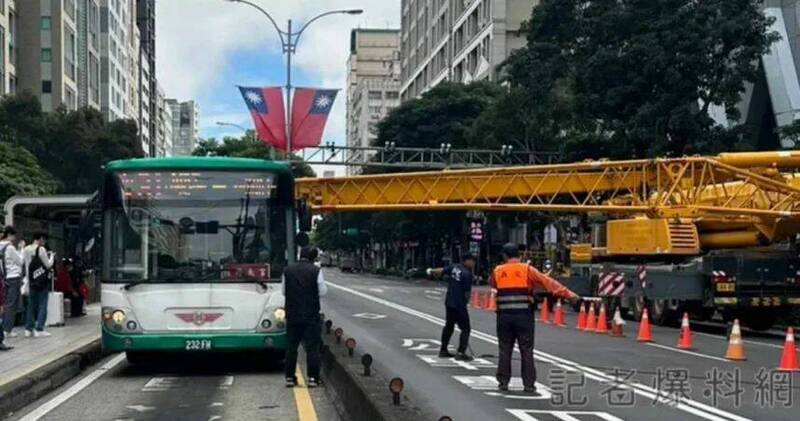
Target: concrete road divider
x,y
360,397
18,393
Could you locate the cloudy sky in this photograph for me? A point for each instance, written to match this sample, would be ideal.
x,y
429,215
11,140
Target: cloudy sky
x,y
206,47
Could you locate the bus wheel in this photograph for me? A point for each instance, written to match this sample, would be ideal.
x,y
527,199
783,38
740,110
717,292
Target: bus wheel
x,y
759,321
136,358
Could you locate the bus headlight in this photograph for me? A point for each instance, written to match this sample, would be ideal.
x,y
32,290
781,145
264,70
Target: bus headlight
x,y
279,315
118,317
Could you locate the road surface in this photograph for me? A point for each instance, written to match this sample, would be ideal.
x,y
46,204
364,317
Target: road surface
x,y
584,376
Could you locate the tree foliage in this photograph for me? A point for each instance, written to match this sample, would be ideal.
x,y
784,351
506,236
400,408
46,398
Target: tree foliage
x,y
71,145
20,174
246,146
636,78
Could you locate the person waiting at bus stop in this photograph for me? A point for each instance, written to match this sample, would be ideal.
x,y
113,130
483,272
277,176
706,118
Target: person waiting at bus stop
x,y
303,284
515,282
459,284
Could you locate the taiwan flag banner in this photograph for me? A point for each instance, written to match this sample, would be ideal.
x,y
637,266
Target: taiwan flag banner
x,y
310,109
269,116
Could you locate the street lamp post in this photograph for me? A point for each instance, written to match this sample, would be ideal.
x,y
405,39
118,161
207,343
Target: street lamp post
x,y
289,40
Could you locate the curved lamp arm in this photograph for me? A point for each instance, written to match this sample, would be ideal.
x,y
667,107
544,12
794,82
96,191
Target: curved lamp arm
x,y
322,15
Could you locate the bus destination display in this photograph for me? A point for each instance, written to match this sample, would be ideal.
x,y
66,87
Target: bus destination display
x,y
196,185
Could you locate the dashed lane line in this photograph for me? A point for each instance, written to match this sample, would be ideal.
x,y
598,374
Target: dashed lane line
x,y
687,405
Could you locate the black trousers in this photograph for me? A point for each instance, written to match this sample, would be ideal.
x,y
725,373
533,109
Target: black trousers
x,y
453,317
516,328
309,334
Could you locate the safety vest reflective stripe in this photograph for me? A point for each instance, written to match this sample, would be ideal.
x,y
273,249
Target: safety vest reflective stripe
x,y
513,298
513,306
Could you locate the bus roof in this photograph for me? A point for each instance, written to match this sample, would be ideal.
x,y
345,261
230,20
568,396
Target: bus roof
x,y
198,163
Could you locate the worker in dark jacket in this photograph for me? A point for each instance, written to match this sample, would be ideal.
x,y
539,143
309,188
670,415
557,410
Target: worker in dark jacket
x,y
303,284
515,282
459,284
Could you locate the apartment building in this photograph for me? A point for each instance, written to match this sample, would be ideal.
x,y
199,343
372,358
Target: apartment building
x,y
47,51
115,74
8,50
89,53
185,116
163,124
373,84
146,23
457,40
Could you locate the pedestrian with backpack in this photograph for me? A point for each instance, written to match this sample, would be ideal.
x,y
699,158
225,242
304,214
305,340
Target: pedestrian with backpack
x,y
11,272
39,264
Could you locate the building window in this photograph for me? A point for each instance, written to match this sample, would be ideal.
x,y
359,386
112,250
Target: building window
x,y
47,87
47,55
2,59
47,23
392,95
2,7
69,7
70,99
70,56
375,95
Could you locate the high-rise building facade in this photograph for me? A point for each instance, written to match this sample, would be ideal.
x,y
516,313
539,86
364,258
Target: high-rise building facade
x,y
8,49
185,117
457,40
115,61
163,124
47,51
146,23
373,84
89,53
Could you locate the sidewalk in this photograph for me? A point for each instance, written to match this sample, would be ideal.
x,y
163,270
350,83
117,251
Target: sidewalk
x,y
30,354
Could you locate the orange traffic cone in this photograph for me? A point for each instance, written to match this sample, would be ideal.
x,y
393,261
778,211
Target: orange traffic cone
x,y
487,300
616,324
492,302
475,299
545,313
685,338
735,350
602,321
591,319
581,318
645,334
558,319
789,357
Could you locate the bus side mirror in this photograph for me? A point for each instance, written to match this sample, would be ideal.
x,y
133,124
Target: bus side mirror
x,y
304,216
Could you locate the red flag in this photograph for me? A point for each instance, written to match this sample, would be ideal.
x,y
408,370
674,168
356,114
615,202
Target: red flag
x,y
269,116
310,109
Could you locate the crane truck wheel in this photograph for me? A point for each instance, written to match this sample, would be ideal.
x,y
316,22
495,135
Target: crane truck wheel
x,y
662,313
637,306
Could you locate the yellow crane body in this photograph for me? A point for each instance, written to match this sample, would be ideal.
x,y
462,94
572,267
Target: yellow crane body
x,y
658,206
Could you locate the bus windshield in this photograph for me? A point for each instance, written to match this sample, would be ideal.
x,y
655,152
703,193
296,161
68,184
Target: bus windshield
x,y
195,226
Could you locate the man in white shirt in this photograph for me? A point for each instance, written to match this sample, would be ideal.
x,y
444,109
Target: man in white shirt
x,y
13,271
38,265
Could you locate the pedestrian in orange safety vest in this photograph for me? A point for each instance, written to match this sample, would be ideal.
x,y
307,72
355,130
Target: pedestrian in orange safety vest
x,y
515,282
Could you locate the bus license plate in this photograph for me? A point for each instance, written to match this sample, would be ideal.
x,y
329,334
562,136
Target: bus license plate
x,y
198,344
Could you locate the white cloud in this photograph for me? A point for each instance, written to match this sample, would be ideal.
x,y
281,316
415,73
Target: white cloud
x,y
196,40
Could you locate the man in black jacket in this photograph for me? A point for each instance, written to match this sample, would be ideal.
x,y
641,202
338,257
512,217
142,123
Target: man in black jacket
x,y
303,284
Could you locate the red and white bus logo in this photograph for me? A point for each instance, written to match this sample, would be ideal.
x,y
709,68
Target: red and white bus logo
x,y
198,318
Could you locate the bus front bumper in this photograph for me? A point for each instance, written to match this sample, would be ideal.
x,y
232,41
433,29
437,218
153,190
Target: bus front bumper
x,y
193,342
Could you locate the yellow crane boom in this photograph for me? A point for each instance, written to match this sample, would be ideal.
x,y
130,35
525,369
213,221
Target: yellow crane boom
x,y
734,199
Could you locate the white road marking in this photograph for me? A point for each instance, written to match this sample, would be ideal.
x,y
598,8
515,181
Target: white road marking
x,y
488,384
73,390
743,340
140,408
687,405
473,365
370,316
684,351
528,415
160,384
215,404
422,344
433,292
215,417
378,290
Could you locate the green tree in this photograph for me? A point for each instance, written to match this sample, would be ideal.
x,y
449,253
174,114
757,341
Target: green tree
x,y
20,174
246,146
636,78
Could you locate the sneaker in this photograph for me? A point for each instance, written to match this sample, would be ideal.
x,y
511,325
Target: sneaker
x,y
41,334
502,387
28,333
12,334
4,347
290,382
531,391
463,357
312,382
445,354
